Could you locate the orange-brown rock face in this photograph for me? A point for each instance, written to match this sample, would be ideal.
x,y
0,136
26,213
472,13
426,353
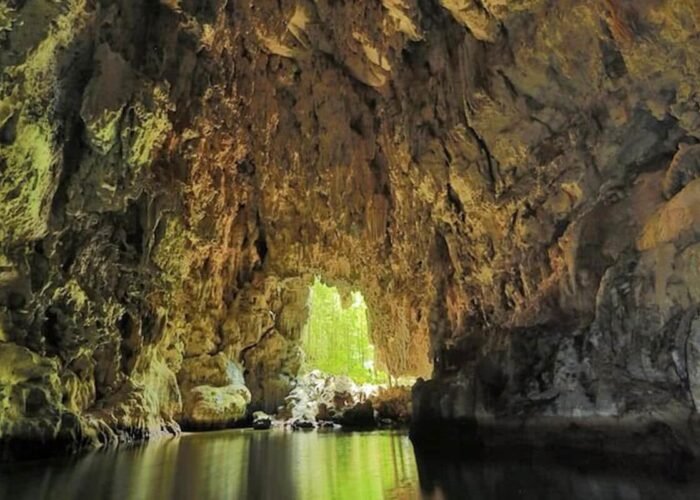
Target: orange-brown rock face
x,y
511,185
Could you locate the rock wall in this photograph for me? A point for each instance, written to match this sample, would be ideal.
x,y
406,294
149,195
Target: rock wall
x,y
511,185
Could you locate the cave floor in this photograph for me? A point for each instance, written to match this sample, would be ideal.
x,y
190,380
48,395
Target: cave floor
x,y
277,464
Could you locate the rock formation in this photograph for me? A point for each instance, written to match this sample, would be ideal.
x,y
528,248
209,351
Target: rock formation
x,y
512,185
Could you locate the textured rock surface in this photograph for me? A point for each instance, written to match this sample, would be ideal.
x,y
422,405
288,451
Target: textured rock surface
x,y
207,406
261,420
511,185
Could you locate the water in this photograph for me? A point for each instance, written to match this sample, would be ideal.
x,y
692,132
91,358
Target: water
x,y
281,465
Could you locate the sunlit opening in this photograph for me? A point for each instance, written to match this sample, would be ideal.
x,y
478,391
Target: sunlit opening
x,y
336,338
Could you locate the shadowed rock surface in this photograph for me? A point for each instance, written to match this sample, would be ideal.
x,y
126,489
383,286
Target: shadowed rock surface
x,y
511,185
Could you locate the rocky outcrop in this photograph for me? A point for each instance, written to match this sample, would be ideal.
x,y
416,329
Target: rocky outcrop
x,y
213,392
359,416
261,421
393,405
212,407
511,185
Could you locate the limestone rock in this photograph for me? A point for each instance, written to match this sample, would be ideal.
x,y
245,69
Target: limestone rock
x,y
30,388
684,167
511,185
211,407
474,16
105,98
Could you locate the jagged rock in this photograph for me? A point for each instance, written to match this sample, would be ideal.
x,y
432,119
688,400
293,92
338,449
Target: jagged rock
x,y
511,185
30,389
684,167
105,99
265,324
322,397
474,16
30,400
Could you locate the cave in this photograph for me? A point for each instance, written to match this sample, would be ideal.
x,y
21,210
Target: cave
x,y
504,190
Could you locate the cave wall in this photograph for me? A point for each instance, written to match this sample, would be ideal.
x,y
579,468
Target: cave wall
x,y
511,185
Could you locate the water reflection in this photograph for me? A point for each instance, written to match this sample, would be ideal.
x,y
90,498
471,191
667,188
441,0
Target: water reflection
x,y
231,464
527,480
278,465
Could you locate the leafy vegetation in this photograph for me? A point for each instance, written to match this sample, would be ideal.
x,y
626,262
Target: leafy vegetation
x,y
336,338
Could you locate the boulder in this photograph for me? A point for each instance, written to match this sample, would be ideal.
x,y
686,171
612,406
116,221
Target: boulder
x,y
214,407
261,420
360,416
302,423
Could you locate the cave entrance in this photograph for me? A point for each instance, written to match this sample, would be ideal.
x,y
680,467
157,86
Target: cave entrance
x,y
340,380
335,339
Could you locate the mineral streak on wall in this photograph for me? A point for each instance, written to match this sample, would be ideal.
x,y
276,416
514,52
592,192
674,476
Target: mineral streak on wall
x,y
510,184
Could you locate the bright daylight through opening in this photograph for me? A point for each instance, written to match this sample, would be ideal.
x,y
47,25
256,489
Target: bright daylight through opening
x,y
336,337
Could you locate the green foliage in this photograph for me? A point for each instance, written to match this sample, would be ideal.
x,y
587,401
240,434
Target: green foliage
x,y
336,338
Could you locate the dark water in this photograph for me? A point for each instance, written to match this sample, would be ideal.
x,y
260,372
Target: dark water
x,y
281,465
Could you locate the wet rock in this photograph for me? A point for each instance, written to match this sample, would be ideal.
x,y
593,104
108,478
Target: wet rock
x,y
302,424
212,407
213,391
517,206
261,420
360,416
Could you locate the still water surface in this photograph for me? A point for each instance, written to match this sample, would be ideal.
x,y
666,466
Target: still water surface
x,y
279,465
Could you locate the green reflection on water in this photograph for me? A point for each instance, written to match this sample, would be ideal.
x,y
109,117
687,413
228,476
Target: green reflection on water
x,y
231,464
356,466
276,465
